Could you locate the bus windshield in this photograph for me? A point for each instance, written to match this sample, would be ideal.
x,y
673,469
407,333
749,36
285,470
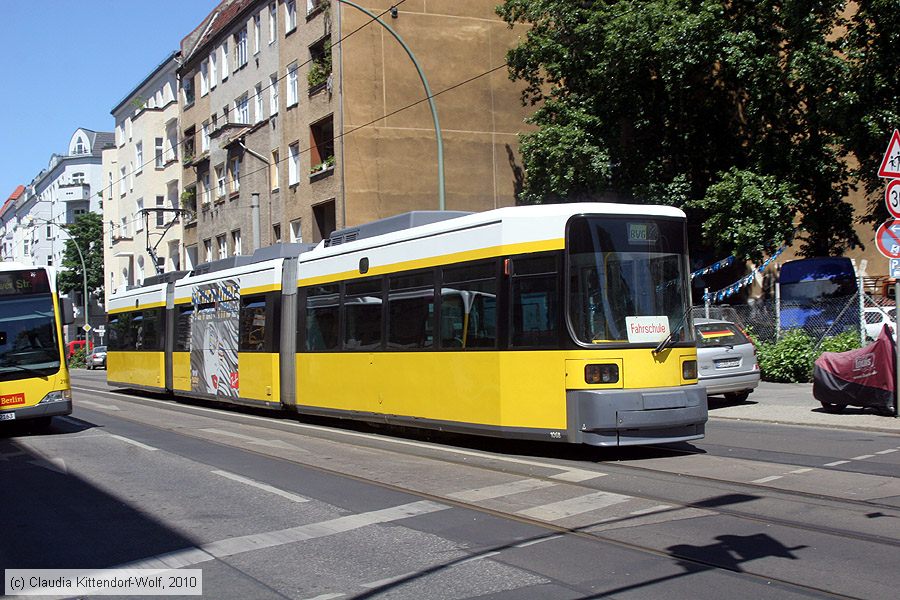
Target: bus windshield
x,y
28,342
627,280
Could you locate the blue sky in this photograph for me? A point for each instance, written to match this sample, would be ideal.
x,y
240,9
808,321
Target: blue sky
x,y
67,63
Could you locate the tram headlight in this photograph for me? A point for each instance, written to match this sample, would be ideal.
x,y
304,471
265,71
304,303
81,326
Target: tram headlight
x,y
607,373
689,369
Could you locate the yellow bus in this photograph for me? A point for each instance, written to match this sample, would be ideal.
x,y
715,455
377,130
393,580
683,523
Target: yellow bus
x,y
34,380
565,323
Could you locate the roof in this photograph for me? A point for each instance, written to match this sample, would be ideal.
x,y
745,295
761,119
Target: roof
x,y
215,22
11,201
159,68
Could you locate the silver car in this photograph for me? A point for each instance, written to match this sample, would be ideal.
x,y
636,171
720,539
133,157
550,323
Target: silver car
x,y
726,359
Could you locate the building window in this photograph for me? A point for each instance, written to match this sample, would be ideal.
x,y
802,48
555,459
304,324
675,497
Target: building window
x,y
139,156
220,181
257,23
258,103
79,146
225,60
204,77
242,110
320,69
207,249
294,164
325,222
131,176
123,228
273,94
240,48
187,88
213,70
158,152
296,231
273,170
223,246
122,181
292,96
160,215
290,16
236,242
321,147
207,190
273,22
236,174
276,233
204,137
78,177
139,214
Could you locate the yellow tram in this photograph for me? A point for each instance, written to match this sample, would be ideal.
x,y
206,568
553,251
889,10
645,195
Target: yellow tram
x,y
559,322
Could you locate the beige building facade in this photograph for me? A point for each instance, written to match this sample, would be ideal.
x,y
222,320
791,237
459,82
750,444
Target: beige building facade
x,y
142,183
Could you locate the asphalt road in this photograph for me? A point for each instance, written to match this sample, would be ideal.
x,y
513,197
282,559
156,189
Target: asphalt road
x,y
271,506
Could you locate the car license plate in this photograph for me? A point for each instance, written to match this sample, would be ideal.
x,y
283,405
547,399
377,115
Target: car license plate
x,y
728,363
7,416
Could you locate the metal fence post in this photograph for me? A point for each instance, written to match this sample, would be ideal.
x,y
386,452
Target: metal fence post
x,y
777,310
706,301
862,313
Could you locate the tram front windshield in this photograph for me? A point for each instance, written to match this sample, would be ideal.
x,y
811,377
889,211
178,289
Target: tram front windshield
x,y
627,280
28,342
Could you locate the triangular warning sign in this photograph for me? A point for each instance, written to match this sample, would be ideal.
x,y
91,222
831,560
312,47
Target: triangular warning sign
x,y
890,164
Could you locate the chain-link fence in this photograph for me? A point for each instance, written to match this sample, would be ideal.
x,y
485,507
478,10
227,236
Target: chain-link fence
x,y
767,319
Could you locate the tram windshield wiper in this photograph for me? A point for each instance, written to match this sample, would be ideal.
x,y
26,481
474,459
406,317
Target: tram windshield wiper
x,y
670,339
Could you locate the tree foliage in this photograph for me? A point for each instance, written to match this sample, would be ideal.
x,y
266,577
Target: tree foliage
x,y
683,102
87,233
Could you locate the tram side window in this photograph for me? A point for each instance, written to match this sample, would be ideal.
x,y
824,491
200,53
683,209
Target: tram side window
x,y
411,311
117,325
469,306
535,304
322,310
183,313
362,314
148,333
253,324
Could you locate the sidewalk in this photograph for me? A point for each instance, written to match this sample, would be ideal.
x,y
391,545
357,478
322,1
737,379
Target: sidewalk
x,y
793,404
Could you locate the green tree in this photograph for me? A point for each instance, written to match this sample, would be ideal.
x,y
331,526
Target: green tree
x,y
684,99
87,233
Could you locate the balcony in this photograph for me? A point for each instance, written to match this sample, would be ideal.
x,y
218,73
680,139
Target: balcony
x,y
74,192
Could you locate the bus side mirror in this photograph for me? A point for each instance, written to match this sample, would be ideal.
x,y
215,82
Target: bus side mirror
x,y
67,311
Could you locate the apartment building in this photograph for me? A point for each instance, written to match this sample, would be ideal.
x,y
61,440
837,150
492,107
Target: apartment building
x,y
230,125
295,131
142,178
9,224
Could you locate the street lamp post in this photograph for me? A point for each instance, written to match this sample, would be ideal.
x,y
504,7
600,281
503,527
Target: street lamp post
x,y
83,267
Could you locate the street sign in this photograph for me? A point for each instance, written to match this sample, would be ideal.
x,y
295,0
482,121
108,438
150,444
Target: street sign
x,y
890,164
887,238
892,197
87,328
895,267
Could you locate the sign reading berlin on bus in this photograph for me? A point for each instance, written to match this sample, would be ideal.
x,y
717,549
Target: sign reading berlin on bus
x,y
887,238
890,164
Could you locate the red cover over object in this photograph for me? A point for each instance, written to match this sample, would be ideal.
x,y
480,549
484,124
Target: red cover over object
x,y
871,366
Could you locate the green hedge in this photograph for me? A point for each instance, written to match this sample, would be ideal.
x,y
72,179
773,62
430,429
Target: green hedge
x,y
791,358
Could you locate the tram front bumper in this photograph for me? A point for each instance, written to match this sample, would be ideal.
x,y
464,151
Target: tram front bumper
x,y
636,417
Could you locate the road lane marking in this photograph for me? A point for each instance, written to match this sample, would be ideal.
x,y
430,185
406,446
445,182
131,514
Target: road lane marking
x,y
538,541
767,479
395,441
836,463
863,457
388,580
498,491
90,404
799,471
247,543
327,597
555,511
577,475
479,557
262,486
651,510
888,451
133,442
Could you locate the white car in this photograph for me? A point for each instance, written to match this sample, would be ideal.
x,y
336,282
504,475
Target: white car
x,y
876,317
